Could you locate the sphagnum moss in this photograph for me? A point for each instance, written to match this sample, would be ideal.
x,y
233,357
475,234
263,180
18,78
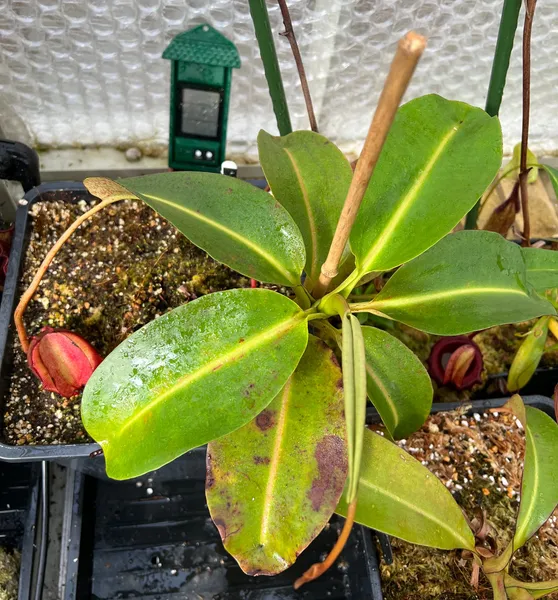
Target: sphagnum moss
x,y
480,460
9,574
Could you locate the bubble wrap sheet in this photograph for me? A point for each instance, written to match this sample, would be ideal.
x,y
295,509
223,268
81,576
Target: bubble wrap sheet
x,y
89,72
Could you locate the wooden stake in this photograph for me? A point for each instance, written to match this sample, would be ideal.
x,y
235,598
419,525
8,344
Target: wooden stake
x,y
409,51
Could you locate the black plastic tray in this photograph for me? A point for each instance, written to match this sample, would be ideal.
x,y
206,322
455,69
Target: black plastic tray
x,y
19,497
152,538
66,190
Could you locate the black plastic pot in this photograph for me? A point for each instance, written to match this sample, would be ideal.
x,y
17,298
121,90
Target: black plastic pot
x,y
19,499
474,406
543,382
539,401
65,191
76,456
152,537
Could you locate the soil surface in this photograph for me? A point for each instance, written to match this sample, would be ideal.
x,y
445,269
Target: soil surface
x,y
9,574
479,459
120,270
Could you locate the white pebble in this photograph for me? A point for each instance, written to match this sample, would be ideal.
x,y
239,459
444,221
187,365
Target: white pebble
x,y
133,154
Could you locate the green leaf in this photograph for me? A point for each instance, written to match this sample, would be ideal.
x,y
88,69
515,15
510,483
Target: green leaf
x,y
310,177
528,356
516,593
553,176
470,280
511,170
354,384
542,268
540,589
437,161
401,497
233,221
198,372
539,488
273,484
397,382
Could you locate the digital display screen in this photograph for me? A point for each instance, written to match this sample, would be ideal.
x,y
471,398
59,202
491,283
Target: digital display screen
x,y
200,112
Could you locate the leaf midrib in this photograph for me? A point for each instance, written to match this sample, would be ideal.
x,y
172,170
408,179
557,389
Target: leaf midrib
x,y
529,509
531,270
271,260
404,205
309,214
275,460
415,508
228,358
433,296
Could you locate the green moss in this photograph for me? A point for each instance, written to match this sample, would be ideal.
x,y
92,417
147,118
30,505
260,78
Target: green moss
x,y
473,458
418,573
9,574
500,344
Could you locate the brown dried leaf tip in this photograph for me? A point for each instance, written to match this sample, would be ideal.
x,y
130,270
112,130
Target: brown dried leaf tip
x,y
104,188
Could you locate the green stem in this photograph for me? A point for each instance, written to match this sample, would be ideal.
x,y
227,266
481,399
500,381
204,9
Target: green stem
x,y
345,287
329,334
498,564
303,298
500,64
317,316
369,307
260,18
334,304
497,583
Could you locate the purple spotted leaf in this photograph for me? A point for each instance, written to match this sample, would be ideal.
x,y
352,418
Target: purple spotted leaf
x,y
273,484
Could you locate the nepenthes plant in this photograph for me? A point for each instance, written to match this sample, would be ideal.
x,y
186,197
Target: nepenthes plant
x,y
253,373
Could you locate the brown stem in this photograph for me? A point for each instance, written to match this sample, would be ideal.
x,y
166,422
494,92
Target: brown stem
x,y
289,34
318,569
523,172
409,51
30,291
